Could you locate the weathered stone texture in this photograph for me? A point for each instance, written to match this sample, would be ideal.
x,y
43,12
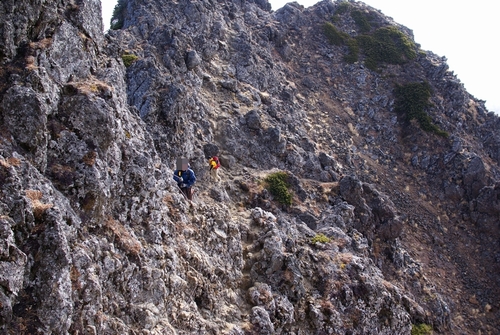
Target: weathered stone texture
x,y
389,226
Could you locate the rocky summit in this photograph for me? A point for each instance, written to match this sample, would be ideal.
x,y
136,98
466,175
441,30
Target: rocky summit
x,y
359,190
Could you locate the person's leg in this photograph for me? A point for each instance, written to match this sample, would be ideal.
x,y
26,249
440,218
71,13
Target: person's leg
x,y
185,192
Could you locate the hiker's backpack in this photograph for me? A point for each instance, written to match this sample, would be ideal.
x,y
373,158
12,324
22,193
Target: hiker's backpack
x,y
214,163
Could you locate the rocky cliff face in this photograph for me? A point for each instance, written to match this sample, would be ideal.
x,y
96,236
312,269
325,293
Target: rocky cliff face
x,y
391,228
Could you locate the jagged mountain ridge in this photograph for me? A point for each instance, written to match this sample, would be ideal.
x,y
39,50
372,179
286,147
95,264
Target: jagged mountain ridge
x,y
97,239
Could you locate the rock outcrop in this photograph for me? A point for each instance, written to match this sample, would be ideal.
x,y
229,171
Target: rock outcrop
x,y
390,228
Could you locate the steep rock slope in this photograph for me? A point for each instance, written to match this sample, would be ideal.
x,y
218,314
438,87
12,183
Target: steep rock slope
x,y
96,238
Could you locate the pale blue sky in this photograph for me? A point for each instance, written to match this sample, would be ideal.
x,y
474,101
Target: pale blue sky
x,y
463,31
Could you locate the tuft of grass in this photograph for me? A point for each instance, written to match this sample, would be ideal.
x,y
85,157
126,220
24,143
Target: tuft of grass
x,y
320,238
411,101
129,59
74,276
42,44
62,175
421,329
38,207
88,87
124,238
278,186
90,158
12,161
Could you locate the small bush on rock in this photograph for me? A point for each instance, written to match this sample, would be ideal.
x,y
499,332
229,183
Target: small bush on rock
x,y
361,20
353,55
39,208
278,186
343,7
339,38
421,329
335,36
128,59
320,238
411,101
386,45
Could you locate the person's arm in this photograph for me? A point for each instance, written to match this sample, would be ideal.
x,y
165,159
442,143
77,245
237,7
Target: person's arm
x,y
176,177
191,179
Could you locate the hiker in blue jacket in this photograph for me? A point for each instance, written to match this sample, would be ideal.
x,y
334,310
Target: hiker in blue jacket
x,y
185,177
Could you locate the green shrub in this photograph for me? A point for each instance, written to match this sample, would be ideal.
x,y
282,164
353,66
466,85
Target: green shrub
x,y
412,98
338,38
335,36
353,55
343,7
361,20
118,15
278,186
411,101
386,45
320,238
128,59
421,329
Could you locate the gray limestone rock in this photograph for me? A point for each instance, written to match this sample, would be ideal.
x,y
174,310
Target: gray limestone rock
x,y
96,238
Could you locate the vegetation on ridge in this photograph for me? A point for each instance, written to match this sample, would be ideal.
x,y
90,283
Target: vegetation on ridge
x,y
343,7
411,101
386,45
362,21
118,15
335,36
383,45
